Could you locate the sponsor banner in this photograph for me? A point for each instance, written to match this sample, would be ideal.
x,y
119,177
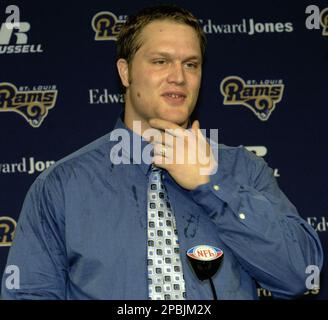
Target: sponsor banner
x,y
320,224
246,26
261,97
26,165
33,104
14,38
261,151
266,294
103,96
7,231
324,21
107,25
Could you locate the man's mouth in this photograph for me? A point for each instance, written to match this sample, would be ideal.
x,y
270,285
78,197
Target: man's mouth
x,y
174,97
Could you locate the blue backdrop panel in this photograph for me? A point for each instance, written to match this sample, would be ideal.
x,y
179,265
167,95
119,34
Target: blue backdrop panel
x,y
59,90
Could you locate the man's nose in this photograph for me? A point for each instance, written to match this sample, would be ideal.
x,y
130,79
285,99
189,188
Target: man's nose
x,y
176,74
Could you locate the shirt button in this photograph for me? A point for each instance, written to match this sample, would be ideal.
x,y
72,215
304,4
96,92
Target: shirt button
x,y
216,187
242,216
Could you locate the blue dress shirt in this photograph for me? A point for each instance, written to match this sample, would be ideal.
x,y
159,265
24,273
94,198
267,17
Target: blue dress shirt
x,y
82,232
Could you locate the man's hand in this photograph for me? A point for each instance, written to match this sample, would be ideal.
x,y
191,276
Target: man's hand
x,y
185,154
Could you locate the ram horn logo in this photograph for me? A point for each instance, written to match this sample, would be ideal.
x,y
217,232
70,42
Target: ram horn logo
x,y
324,21
7,231
261,99
106,26
32,105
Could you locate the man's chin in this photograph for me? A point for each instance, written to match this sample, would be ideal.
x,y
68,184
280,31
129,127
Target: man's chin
x,y
180,120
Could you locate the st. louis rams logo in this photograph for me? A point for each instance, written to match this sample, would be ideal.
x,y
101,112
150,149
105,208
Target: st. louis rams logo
x,y
324,21
260,98
32,105
7,231
106,26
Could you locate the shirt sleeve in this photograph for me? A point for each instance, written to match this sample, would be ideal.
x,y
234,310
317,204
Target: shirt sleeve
x,y
38,250
261,226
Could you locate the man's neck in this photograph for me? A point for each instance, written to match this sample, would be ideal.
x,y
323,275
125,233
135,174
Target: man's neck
x,y
140,125
136,125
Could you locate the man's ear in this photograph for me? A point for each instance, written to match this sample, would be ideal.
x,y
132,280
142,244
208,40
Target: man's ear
x,y
123,71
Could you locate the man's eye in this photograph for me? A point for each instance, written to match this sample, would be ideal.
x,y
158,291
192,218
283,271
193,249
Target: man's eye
x,y
191,65
159,61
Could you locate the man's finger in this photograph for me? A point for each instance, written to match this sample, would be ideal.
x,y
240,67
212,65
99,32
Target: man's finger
x,y
163,150
165,139
195,126
161,162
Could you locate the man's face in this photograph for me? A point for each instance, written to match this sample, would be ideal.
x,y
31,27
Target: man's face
x,y
165,74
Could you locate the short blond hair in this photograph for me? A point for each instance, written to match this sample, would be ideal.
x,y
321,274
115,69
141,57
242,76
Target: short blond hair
x,y
128,41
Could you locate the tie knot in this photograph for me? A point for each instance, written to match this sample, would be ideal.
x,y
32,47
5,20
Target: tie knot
x,y
156,173
155,169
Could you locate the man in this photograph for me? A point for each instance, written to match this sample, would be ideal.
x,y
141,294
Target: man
x,y
86,228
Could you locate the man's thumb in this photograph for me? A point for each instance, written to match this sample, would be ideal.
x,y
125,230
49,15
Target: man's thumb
x,y
195,125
